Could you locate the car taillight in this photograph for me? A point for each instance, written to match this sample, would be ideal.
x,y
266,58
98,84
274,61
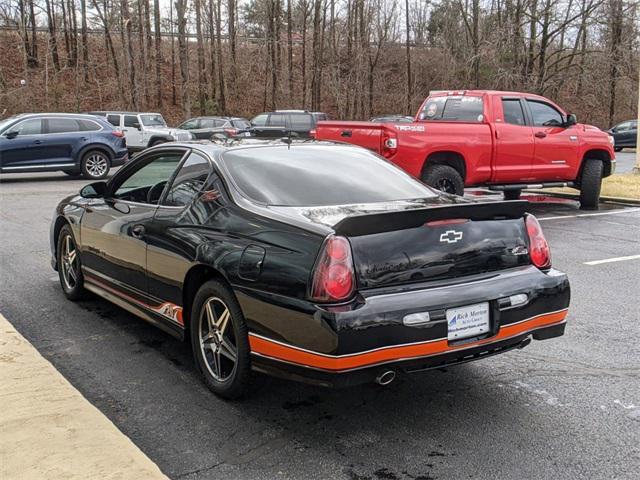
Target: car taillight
x,y
539,251
389,145
334,278
117,133
312,133
230,131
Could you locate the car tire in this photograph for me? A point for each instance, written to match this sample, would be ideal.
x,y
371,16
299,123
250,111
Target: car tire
x,y
95,165
444,178
69,269
590,184
220,341
617,149
512,194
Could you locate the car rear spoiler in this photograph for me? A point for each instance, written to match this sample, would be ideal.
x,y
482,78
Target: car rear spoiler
x,y
368,224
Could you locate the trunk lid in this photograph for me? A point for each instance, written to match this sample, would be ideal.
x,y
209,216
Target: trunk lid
x,y
438,243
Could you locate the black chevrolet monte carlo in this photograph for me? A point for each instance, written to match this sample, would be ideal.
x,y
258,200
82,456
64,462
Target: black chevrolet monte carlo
x,y
314,261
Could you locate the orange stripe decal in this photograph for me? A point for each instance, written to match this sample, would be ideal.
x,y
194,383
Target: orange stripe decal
x,y
306,358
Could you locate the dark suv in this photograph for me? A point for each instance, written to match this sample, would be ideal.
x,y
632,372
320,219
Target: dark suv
x,y
203,128
298,121
625,134
75,144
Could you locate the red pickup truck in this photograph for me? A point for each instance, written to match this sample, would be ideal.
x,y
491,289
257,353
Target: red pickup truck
x,y
506,141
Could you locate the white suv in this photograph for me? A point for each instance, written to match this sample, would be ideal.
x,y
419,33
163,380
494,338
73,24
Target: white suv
x,y
144,130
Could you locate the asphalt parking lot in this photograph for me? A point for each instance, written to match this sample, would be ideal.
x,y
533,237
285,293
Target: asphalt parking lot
x,y
564,408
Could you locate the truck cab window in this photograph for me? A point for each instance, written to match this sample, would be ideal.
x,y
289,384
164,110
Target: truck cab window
x,y
544,115
512,110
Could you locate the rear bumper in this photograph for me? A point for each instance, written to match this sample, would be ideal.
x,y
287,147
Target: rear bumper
x,y
369,336
120,158
401,367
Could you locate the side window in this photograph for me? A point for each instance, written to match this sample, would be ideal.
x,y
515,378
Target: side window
x,y
432,110
544,115
28,127
188,182
221,123
130,121
207,123
260,120
193,124
623,127
301,122
146,184
512,110
277,120
463,109
114,120
89,126
62,125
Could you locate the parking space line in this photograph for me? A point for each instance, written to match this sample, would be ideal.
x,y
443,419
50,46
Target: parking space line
x,y
616,212
614,259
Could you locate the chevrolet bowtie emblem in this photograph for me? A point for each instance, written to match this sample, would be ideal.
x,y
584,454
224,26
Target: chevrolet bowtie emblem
x,y
451,236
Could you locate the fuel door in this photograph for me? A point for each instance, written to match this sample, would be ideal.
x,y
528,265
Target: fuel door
x,y
251,263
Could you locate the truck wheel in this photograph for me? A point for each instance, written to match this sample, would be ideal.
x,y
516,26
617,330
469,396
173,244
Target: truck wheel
x,y
617,149
444,178
95,165
590,184
157,142
512,194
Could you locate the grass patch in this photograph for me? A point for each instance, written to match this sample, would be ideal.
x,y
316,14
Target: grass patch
x,y
624,185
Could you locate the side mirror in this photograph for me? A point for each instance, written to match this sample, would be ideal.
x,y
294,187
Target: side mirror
x,y
137,125
94,190
12,134
571,120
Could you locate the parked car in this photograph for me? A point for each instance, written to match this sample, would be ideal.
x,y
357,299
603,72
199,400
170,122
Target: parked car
x,y
391,119
308,260
299,121
506,141
203,128
73,143
625,134
144,130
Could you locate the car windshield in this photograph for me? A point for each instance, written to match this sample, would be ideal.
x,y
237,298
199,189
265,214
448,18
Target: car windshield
x,y
313,175
4,123
153,121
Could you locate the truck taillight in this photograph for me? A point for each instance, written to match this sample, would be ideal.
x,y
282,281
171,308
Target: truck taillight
x,y
389,144
312,133
117,133
539,250
334,276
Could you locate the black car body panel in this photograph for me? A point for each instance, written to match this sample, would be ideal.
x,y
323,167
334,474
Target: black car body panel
x,y
266,253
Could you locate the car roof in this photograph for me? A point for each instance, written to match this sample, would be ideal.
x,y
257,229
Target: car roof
x,y
216,148
120,112
85,116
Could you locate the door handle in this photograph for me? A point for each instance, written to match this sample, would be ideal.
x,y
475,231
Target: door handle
x,y
138,231
346,133
540,134
37,142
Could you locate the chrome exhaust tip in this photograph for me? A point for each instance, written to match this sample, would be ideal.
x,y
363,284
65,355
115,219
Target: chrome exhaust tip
x,y
386,377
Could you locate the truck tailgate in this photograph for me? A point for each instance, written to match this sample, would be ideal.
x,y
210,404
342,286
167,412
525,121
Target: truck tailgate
x,y
363,134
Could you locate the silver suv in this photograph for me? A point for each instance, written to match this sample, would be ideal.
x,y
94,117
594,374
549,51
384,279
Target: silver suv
x,y
144,130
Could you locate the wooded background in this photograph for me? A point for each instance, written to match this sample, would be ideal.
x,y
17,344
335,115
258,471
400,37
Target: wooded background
x,y
350,58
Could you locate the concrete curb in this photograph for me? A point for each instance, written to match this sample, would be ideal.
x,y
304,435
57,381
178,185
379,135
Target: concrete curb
x,y
48,430
576,196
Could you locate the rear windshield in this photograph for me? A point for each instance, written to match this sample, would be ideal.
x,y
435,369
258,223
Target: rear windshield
x,y
313,175
453,109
